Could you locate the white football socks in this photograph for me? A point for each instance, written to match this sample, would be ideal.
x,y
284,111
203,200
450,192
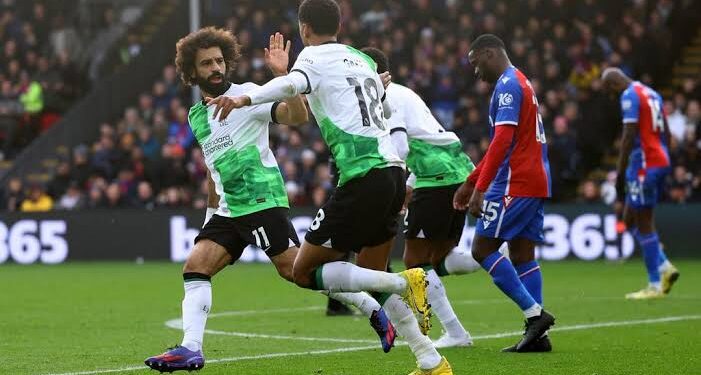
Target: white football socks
x,y
441,306
460,262
532,311
363,301
196,306
664,266
347,277
407,327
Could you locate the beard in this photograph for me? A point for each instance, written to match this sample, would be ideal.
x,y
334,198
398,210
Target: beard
x,y
212,88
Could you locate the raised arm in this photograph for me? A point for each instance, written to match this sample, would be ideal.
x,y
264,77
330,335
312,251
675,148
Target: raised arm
x,y
386,79
284,87
292,110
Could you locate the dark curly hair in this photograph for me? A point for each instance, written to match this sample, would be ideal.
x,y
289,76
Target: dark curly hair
x,y
186,50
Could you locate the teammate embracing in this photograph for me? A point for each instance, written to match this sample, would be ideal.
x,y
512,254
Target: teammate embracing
x,y
433,227
247,199
346,96
508,190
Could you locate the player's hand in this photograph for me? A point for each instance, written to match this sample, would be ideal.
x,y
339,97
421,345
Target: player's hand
x,y
462,196
225,104
476,202
277,57
386,79
618,209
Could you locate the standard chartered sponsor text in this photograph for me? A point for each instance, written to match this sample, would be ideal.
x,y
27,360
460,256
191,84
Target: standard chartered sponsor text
x,y
217,144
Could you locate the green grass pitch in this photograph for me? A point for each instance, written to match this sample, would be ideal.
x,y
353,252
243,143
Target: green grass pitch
x,y
93,318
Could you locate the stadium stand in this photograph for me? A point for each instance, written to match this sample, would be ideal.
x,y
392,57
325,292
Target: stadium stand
x,y
46,47
37,70
147,158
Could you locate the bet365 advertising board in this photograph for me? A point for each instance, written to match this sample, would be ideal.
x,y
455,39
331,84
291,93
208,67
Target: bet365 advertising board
x,y
571,232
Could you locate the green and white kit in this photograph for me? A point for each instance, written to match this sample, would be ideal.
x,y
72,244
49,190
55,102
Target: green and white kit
x,y
236,150
345,95
435,155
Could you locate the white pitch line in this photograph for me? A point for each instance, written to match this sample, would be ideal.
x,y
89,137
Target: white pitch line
x,y
282,337
484,301
573,298
177,324
292,354
233,359
123,369
576,327
269,311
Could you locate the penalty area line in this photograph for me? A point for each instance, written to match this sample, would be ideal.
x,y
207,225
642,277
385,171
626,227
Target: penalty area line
x,y
576,327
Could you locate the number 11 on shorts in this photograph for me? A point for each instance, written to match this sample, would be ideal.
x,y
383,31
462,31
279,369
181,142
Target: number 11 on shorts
x,y
258,234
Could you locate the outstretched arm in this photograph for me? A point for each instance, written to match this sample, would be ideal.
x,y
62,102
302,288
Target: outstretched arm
x,y
280,88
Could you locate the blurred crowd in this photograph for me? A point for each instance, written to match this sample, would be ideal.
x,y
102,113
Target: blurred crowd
x,y
149,159
38,75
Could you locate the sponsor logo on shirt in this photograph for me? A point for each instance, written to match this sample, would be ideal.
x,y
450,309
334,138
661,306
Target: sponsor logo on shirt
x,y
353,63
505,100
627,104
217,144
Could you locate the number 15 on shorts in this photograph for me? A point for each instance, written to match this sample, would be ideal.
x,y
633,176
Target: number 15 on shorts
x,y
490,212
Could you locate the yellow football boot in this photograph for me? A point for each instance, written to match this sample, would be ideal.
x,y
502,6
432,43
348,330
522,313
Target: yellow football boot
x,y
416,296
647,293
443,368
669,277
